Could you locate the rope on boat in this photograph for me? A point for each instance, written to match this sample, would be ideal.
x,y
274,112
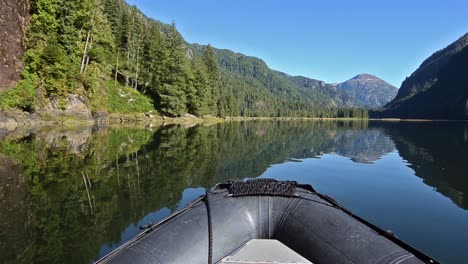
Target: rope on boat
x,y
206,199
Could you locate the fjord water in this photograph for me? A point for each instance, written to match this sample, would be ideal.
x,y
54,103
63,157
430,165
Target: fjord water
x,y
72,196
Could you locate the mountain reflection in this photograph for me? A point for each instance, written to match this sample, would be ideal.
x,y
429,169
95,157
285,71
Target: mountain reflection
x,y
438,153
65,194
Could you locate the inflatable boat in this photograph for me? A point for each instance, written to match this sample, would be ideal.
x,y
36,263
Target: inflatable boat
x,y
265,221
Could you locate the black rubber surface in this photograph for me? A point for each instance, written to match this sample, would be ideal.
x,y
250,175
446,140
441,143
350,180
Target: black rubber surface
x,y
309,223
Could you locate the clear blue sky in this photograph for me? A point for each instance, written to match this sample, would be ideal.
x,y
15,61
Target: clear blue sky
x,y
330,40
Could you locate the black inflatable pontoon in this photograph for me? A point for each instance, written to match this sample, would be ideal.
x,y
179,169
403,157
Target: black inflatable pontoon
x,y
265,221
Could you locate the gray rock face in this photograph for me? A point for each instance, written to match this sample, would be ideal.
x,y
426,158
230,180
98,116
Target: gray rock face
x,y
369,90
14,17
14,119
75,106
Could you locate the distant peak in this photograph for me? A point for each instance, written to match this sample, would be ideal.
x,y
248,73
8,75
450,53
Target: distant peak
x,y
364,76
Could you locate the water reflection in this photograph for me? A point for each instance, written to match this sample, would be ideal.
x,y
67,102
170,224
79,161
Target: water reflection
x,y
15,227
72,196
438,153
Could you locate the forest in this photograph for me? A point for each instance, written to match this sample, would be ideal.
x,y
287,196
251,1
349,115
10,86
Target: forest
x,y
124,62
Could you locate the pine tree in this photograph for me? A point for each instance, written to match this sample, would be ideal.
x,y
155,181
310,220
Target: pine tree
x,y
172,95
211,64
201,88
152,58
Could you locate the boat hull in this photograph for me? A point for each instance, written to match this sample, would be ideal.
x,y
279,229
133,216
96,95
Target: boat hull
x,y
313,225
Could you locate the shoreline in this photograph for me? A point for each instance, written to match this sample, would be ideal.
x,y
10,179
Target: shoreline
x,y
340,119
16,119
416,120
12,120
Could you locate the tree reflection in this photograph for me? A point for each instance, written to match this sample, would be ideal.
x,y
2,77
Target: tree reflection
x,y
67,193
438,153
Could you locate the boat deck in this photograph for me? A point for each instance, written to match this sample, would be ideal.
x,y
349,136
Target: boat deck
x,y
264,251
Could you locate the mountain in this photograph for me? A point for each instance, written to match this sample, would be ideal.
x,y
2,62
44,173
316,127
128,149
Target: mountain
x,y
369,90
316,92
257,71
438,89
263,91
87,60
340,97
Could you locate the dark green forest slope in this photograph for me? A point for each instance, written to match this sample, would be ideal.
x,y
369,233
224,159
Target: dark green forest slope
x,y
113,59
262,91
438,89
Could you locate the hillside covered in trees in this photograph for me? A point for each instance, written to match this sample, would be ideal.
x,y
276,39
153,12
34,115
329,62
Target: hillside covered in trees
x,y
111,58
438,89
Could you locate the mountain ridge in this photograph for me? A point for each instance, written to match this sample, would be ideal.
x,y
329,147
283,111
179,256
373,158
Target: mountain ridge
x,y
430,68
331,93
437,89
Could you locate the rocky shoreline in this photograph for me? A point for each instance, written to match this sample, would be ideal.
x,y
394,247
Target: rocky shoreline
x,y
13,120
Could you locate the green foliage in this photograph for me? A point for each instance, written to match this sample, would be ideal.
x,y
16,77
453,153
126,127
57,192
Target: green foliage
x,y
125,100
23,95
80,46
98,54
172,81
53,52
199,90
172,100
96,88
212,80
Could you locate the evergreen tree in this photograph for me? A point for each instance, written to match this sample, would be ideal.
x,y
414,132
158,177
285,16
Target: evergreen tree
x,y
173,77
201,87
212,69
153,59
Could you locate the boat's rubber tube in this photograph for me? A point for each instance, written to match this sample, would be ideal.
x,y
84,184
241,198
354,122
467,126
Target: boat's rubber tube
x,y
316,228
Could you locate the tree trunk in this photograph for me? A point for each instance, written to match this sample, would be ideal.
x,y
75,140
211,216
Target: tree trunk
x,y
87,57
85,52
116,68
88,38
137,65
87,193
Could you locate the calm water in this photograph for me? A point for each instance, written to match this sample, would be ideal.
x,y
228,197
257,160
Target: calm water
x,y
72,196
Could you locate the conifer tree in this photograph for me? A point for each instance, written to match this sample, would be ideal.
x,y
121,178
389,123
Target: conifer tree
x,y
211,64
201,88
172,95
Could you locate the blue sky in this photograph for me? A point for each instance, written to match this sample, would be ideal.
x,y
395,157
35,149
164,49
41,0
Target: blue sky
x,y
330,40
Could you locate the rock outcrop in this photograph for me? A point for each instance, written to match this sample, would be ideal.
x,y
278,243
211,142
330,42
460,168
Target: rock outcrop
x,y
73,106
14,18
